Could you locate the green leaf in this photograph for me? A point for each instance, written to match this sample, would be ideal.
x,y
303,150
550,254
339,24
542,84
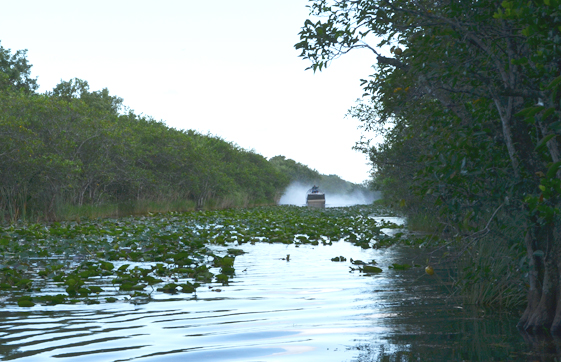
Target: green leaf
x,y
521,61
498,14
371,269
25,302
530,111
553,169
554,83
544,141
527,31
548,112
555,126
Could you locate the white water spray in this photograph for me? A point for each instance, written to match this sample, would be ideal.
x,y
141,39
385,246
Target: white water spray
x,y
296,193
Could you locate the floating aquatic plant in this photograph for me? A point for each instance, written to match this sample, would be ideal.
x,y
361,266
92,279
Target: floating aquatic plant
x,y
97,260
370,269
339,258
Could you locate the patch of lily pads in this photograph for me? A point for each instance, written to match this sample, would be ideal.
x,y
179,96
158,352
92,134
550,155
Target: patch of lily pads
x,y
133,258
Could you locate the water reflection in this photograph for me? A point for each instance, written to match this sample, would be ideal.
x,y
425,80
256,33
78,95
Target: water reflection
x,y
425,324
274,310
307,309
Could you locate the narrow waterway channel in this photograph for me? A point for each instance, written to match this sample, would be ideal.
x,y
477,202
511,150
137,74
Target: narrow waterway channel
x,y
306,309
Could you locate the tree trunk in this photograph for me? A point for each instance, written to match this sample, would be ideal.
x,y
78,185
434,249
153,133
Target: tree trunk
x,y
505,113
556,325
543,313
534,279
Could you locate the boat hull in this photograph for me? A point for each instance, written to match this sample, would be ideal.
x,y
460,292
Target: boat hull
x,y
315,200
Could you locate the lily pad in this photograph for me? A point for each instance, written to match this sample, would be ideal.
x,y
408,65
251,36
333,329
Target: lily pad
x,y
236,252
170,288
371,269
25,302
222,278
339,258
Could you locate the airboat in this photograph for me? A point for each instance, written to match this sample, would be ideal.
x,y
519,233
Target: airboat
x,y
315,197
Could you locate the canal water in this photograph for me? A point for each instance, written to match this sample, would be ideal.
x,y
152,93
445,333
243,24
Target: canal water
x,y
306,308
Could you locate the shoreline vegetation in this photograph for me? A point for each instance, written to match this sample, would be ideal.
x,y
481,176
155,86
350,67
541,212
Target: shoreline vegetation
x,y
72,152
465,97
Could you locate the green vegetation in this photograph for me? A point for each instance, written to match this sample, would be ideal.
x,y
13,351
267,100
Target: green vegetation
x,y
295,170
95,261
302,174
73,152
468,105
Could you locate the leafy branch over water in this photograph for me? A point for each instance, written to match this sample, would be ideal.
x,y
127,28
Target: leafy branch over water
x,y
133,257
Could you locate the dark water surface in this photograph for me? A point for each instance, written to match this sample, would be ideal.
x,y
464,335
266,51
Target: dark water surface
x,y
306,309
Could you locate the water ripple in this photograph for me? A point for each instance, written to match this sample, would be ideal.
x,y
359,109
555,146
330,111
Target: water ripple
x,y
308,309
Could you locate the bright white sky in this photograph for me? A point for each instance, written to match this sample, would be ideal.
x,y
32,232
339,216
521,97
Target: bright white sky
x,y
223,67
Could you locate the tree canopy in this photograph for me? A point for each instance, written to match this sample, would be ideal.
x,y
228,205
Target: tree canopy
x,y
15,72
469,106
74,146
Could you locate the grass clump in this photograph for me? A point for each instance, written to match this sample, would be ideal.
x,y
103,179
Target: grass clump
x,y
489,273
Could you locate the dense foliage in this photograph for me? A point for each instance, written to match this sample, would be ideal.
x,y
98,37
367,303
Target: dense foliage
x,y
73,147
119,259
469,106
296,171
